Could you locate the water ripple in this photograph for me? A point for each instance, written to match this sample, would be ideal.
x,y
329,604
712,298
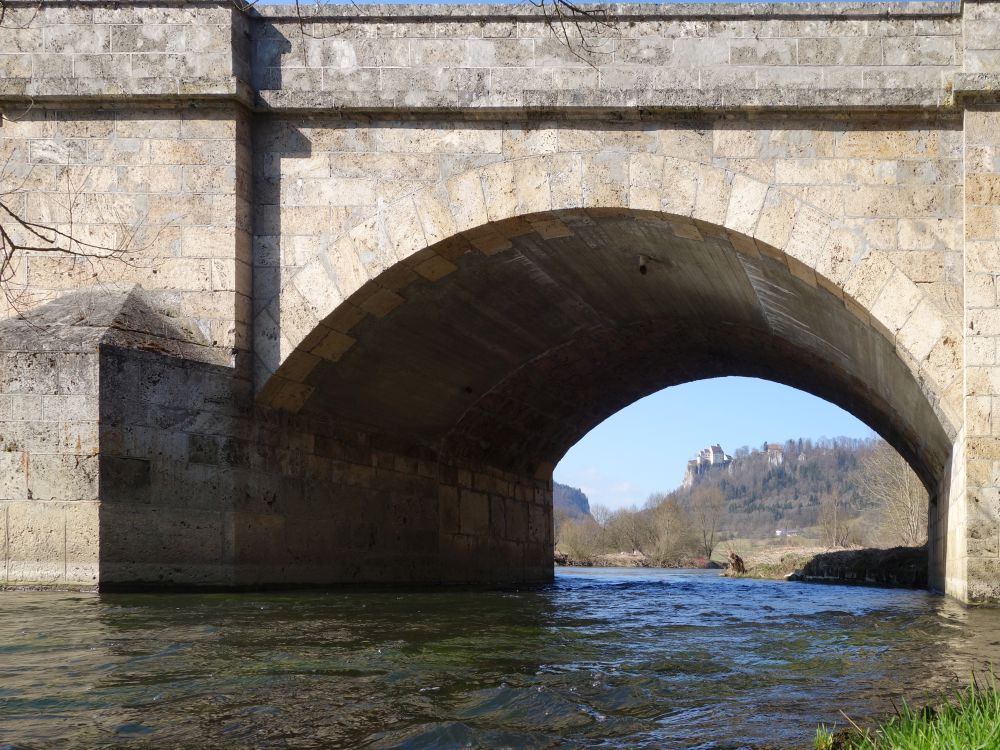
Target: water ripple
x,y
598,659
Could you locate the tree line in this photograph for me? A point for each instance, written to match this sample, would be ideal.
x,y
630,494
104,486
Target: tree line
x,y
841,492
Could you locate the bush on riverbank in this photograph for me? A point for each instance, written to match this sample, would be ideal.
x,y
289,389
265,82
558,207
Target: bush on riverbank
x,y
971,722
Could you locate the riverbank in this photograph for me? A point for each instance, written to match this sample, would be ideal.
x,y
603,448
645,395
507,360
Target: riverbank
x,y
904,567
899,566
971,721
632,560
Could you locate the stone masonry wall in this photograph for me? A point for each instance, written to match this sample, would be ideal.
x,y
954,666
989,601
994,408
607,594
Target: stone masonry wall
x,y
169,187
227,151
982,263
201,488
515,56
49,458
894,186
83,48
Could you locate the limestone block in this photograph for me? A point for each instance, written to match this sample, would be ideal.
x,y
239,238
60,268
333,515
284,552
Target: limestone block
x,y
983,321
346,267
532,185
921,332
62,477
160,537
13,475
984,380
645,181
434,209
982,222
802,271
840,51
980,290
260,538
605,180
777,217
566,181
82,543
810,233
372,247
746,203
868,278
737,141
521,141
498,190
896,301
466,200
381,302
539,524
435,267
943,369
475,513
36,541
403,229
297,318
712,199
978,415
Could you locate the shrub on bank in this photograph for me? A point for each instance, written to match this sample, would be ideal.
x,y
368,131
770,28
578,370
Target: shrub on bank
x,y
970,722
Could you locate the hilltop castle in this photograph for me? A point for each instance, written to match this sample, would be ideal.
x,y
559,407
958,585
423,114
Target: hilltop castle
x,y
708,459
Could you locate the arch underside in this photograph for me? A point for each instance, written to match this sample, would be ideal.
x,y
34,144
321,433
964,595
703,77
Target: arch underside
x,y
514,355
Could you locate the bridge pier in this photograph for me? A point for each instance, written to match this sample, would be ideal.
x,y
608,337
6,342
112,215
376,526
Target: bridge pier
x,y
147,470
980,547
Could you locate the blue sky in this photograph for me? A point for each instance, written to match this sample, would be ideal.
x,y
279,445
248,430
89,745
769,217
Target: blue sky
x,y
644,448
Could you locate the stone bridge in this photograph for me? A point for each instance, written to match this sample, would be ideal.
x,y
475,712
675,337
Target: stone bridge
x,y
366,273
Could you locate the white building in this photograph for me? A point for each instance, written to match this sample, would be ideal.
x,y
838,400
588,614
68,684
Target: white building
x,y
712,457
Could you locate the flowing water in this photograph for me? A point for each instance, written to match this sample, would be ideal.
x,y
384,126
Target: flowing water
x,y
598,659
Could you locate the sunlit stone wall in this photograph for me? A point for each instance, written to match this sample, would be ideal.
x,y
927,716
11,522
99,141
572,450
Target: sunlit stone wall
x,y
278,185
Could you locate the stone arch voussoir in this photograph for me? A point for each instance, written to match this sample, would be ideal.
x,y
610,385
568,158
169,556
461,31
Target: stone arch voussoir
x,y
420,236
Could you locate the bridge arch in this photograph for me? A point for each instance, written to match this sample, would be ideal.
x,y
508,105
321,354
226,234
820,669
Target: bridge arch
x,y
500,314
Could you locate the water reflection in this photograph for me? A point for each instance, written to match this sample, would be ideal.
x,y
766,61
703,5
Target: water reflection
x,y
599,659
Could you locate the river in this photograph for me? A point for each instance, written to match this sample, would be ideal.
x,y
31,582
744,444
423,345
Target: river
x,y
599,659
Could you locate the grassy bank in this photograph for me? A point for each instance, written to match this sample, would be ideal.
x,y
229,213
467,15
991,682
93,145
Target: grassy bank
x,y
971,721
899,566
774,562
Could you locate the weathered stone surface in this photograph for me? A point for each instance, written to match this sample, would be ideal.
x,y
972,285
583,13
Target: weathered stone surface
x,y
388,269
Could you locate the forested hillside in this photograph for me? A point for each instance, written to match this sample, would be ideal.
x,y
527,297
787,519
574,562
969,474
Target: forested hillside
x,y
570,501
837,492
763,495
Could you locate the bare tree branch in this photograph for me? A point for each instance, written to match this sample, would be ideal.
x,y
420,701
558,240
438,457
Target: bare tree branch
x,y
900,499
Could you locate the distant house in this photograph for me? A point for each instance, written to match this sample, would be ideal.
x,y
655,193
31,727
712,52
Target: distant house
x,y
708,459
775,454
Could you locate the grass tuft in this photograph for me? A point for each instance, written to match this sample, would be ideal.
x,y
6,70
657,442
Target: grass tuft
x,y
970,721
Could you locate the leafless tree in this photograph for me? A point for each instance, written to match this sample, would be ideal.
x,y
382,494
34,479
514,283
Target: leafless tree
x,y
628,530
22,234
899,497
834,523
580,538
601,514
708,507
673,538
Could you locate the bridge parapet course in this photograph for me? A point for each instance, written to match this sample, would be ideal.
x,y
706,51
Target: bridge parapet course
x,y
647,57
476,58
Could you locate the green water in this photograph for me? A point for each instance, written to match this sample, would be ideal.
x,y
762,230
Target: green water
x,y
599,659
